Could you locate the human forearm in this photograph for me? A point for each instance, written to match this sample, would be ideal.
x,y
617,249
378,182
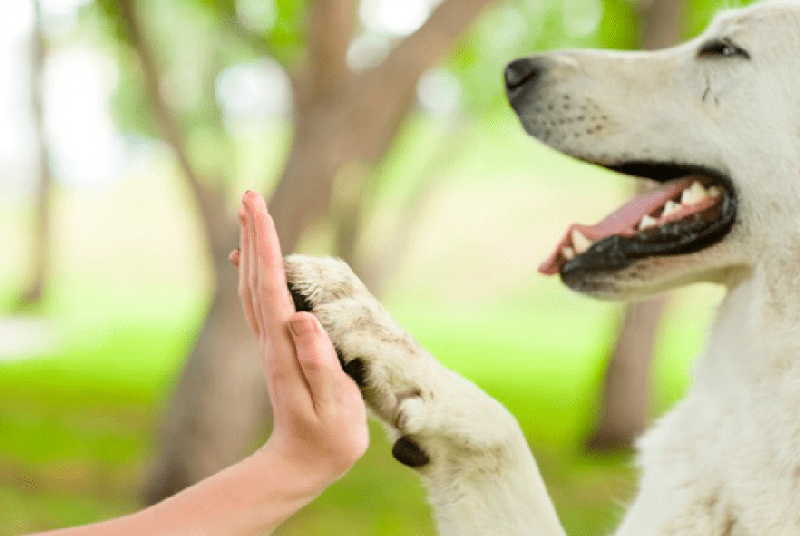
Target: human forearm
x,y
252,497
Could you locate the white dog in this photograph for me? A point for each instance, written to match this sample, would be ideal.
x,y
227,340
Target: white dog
x,y
716,124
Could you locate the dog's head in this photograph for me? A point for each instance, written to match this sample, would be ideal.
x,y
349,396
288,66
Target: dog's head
x,y
714,124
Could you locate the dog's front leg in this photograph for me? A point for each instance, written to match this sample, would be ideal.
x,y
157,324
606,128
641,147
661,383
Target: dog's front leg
x,y
469,451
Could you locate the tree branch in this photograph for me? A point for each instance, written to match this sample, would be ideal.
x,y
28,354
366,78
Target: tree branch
x,y
345,118
253,39
382,96
425,48
42,214
256,41
331,27
205,197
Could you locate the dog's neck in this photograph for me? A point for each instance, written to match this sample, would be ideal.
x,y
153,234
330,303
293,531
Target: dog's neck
x,y
755,340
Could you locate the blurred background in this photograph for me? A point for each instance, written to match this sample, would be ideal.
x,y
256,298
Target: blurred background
x,y
380,131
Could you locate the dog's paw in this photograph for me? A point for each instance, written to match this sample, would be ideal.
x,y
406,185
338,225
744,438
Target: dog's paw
x,y
426,407
385,362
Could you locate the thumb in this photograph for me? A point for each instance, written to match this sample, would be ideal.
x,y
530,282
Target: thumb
x,y
316,356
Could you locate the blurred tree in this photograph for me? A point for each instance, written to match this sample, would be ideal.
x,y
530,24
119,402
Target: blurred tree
x,y
377,266
626,391
220,407
41,236
344,122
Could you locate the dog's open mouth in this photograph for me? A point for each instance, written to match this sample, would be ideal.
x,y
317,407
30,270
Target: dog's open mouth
x,y
694,208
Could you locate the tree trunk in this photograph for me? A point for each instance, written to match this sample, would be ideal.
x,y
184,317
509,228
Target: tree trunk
x,y
626,391
41,237
219,407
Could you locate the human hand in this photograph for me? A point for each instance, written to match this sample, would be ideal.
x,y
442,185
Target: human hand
x,y
319,415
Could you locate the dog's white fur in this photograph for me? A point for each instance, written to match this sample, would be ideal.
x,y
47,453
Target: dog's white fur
x,y
726,460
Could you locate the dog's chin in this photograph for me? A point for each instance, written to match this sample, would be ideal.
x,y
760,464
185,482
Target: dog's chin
x,y
642,279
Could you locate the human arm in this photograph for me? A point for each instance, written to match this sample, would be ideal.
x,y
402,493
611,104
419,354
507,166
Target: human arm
x,y
320,421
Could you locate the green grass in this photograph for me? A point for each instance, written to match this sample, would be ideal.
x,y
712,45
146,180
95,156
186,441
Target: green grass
x,y
76,425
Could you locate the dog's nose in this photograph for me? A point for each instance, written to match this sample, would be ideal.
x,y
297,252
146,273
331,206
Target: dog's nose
x,y
523,71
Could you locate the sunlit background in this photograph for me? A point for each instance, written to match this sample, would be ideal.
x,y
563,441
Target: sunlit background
x,y
86,371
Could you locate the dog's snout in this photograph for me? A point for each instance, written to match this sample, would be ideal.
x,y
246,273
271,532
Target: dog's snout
x,y
523,71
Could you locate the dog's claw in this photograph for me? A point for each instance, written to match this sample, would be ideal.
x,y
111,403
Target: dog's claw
x,y
301,303
357,370
408,452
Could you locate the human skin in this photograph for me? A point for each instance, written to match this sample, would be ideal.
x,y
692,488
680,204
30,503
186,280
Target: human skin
x,y
320,426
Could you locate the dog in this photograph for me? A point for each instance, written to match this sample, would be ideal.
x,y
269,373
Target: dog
x,y
713,126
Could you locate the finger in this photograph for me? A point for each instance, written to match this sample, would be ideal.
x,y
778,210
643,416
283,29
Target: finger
x,y
252,262
273,304
276,302
317,359
234,257
245,293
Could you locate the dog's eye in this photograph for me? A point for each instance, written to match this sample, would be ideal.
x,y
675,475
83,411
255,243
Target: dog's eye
x,y
722,48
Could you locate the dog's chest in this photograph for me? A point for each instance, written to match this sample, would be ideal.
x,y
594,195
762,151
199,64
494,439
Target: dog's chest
x,y
725,465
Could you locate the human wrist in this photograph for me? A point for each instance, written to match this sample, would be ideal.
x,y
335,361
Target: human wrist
x,y
310,473
278,486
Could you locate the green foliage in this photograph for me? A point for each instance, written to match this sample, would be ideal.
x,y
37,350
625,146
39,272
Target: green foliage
x,y
620,27
283,36
110,18
221,8
701,12
521,27
212,36
480,56
129,103
286,39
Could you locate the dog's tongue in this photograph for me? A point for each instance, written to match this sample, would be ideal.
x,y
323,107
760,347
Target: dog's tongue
x,y
622,222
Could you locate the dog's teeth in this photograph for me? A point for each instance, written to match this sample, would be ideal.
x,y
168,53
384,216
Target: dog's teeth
x,y
647,222
580,242
568,253
694,194
670,208
715,191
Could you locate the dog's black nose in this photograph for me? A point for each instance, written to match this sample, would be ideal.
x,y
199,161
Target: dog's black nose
x,y
523,71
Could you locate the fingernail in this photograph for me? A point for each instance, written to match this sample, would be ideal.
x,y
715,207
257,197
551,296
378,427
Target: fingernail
x,y
302,325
